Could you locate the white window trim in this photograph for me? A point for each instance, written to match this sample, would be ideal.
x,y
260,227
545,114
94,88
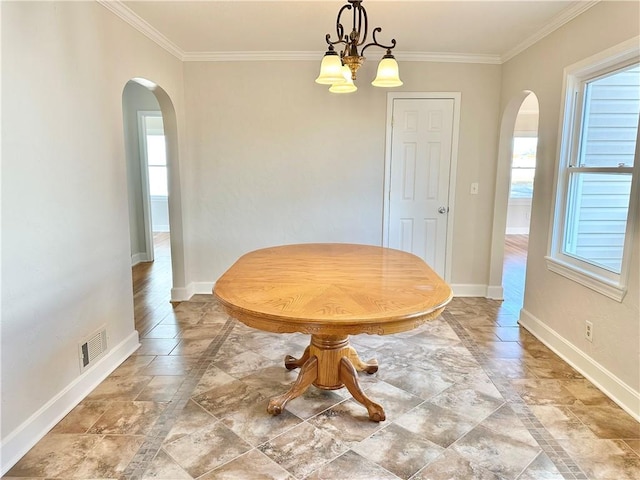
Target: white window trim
x,y
611,285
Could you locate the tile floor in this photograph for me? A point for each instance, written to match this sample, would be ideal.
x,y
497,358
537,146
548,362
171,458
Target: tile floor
x,y
469,395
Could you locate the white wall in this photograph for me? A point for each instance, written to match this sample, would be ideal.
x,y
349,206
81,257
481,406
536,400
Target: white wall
x,y
136,98
518,216
275,158
556,308
66,267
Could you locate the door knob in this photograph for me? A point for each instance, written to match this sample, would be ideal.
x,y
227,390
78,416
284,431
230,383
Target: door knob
x,y
443,210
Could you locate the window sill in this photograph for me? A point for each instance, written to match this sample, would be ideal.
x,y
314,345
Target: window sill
x,y
588,279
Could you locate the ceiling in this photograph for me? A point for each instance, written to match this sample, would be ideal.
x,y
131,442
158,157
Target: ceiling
x,y
489,31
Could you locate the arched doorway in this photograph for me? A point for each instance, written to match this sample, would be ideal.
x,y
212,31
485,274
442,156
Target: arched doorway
x,y
141,98
513,197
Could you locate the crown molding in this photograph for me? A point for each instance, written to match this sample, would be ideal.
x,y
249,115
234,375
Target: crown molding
x,y
558,21
315,56
250,56
126,14
448,57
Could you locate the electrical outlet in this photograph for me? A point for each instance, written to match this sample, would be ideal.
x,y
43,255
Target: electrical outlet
x,y
474,188
588,331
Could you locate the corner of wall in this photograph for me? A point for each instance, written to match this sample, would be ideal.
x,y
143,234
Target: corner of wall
x,y
469,290
182,294
495,292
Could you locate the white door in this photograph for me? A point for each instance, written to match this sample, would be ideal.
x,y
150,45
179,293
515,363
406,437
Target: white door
x,y
418,178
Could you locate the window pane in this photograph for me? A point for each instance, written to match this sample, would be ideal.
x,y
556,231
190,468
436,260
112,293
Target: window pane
x,y
597,218
522,182
524,152
156,151
610,120
158,181
523,167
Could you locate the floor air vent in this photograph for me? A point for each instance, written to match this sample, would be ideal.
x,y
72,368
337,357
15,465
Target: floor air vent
x,y
92,348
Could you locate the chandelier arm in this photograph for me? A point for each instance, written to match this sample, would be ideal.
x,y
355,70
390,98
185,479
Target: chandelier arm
x,y
339,28
377,44
330,43
362,13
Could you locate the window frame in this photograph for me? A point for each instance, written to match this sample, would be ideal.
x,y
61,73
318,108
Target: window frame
x,y
576,76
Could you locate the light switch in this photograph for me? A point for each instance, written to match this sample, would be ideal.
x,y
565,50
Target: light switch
x,y
474,188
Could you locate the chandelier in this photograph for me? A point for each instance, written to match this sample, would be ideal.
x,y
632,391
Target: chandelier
x,y
339,71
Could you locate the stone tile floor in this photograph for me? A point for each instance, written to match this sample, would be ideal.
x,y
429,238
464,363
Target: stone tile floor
x,y
469,395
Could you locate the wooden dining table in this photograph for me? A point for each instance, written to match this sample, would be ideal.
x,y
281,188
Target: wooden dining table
x,y
331,291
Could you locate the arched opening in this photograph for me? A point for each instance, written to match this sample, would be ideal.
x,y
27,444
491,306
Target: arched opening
x,y
148,117
513,197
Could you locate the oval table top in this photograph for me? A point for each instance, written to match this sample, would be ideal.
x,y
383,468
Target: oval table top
x,y
332,289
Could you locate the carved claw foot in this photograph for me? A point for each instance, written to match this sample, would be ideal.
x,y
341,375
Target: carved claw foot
x,y
308,374
274,407
349,377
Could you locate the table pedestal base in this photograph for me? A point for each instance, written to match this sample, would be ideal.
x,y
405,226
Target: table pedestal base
x,y
329,363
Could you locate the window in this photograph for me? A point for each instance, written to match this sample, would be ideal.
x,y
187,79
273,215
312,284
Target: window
x,y
157,163
592,224
154,151
523,167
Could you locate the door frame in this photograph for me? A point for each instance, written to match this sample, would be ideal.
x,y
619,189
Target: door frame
x,y
456,97
144,176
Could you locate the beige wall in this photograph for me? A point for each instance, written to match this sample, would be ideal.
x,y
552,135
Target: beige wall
x,y
557,308
66,268
275,158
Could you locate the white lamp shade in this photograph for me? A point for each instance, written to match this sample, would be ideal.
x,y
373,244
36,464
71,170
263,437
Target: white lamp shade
x,y
388,74
346,85
330,69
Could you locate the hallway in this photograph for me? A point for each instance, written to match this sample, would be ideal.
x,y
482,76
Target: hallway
x,y
513,274
152,284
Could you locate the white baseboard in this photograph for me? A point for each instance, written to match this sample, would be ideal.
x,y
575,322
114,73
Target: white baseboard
x,y
495,292
22,439
137,258
469,290
182,294
612,386
194,288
